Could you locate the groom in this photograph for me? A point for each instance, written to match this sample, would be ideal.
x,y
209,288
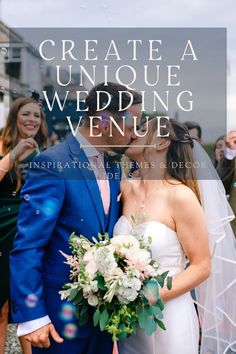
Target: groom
x,y
65,193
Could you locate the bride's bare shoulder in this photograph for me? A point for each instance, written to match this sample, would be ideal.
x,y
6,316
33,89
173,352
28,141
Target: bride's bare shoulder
x,y
181,195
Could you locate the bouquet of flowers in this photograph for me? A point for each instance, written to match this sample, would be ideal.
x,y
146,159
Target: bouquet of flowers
x,y
119,279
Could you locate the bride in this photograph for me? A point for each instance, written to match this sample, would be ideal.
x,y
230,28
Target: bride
x,y
166,204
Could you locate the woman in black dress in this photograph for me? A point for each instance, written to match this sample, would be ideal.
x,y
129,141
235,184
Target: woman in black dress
x,y
23,137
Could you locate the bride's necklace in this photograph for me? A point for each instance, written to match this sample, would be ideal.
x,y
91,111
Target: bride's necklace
x,y
140,214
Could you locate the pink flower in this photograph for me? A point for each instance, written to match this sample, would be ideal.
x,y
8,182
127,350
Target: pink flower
x,y
122,243
91,266
139,259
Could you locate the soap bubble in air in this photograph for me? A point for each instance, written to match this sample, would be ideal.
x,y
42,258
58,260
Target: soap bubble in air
x,y
26,197
66,313
31,300
70,331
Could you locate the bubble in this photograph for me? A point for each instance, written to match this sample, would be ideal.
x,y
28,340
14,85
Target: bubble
x,y
9,209
70,330
66,313
26,197
31,300
4,51
105,6
49,207
14,193
37,212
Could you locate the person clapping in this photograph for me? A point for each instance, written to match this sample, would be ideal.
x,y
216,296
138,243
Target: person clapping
x,y
23,137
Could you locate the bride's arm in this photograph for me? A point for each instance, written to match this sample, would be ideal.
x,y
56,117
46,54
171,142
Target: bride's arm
x,y
192,233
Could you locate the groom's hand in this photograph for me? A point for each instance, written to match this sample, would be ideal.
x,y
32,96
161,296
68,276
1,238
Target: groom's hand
x,y
41,337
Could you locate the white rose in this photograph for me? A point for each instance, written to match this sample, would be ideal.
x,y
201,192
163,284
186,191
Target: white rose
x,y
94,286
149,271
124,241
93,300
138,258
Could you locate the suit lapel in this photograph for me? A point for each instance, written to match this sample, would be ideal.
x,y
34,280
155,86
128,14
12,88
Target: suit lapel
x,y
78,155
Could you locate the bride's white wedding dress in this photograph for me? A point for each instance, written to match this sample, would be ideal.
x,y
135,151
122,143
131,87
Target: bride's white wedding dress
x,y
180,318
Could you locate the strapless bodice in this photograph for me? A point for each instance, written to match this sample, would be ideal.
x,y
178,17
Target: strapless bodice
x,y
165,246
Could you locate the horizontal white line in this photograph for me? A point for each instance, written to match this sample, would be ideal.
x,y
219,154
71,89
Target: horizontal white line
x,y
117,145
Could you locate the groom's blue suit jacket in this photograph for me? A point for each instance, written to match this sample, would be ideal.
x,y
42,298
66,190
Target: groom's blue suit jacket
x,y
61,195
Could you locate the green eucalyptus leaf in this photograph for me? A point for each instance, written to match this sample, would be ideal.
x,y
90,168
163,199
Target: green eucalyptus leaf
x,y
148,310
160,324
83,315
123,333
164,274
104,318
79,298
73,294
160,281
133,220
134,327
151,291
72,236
157,311
169,283
77,314
143,316
96,317
101,282
160,303
150,327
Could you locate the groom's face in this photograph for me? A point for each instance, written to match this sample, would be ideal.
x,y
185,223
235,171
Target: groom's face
x,y
118,142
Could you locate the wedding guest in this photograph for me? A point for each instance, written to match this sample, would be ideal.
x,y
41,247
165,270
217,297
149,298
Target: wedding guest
x,y
219,149
53,139
24,135
195,131
226,169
